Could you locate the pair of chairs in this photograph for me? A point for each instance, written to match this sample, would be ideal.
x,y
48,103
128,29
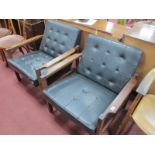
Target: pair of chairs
x,y
98,83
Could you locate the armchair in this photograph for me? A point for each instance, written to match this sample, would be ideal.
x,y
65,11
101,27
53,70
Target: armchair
x,y
142,109
95,92
58,42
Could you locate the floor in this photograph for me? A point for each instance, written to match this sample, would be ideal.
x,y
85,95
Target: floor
x,y
24,112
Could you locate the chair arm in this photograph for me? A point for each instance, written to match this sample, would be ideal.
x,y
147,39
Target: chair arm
x,y
24,42
59,58
145,84
55,68
117,102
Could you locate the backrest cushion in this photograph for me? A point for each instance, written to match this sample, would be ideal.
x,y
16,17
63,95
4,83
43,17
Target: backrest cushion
x,y
58,38
108,62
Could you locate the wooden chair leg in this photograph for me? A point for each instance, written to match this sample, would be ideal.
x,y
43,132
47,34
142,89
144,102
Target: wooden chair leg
x,y
128,114
4,58
50,108
18,76
2,55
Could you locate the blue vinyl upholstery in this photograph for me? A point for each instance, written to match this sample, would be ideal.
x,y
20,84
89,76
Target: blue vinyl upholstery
x,y
104,69
57,39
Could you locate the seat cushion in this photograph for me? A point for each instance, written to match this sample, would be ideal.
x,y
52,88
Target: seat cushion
x,y
27,64
144,115
81,98
109,63
10,40
59,38
4,32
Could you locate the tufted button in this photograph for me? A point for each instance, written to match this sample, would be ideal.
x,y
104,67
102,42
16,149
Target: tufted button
x,y
91,59
48,38
99,76
45,48
66,34
74,98
111,82
55,40
85,91
108,51
117,70
103,65
122,56
58,31
88,71
96,46
51,30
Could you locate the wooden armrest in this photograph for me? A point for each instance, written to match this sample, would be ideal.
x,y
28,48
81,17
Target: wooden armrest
x,y
53,69
107,116
120,99
59,58
24,42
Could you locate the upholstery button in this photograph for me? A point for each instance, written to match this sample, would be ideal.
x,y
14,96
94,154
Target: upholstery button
x,y
99,76
74,98
111,82
122,56
96,45
103,65
45,48
84,90
66,34
91,59
117,69
55,40
88,70
108,52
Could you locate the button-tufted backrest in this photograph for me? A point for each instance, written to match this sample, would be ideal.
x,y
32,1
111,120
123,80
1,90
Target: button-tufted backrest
x,y
58,38
108,62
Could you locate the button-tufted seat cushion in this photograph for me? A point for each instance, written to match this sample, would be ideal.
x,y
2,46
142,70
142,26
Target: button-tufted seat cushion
x,y
26,64
104,69
81,98
57,39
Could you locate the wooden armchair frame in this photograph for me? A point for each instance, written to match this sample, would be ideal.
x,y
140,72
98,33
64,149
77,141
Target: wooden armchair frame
x,y
51,63
109,114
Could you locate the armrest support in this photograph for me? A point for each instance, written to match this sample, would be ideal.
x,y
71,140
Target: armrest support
x,y
145,84
117,103
25,42
59,58
53,69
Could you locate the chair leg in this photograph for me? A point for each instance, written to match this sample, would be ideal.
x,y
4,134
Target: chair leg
x,y
128,114
50,108
2,55
18,76
4,58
